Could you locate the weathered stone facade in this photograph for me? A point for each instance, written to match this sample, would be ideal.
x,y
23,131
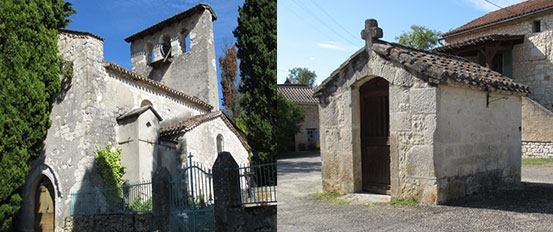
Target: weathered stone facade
x,y
104,103
445,141
532,64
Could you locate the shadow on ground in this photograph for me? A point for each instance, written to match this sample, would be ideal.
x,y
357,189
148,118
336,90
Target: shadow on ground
x,y
527,198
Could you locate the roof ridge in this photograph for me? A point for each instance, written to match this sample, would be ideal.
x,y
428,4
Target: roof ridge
x,y
158,85
502,15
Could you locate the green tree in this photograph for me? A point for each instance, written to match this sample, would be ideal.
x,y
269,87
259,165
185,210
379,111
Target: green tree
x,y
256,43
229,68
289,117
30,79
419,37
302,76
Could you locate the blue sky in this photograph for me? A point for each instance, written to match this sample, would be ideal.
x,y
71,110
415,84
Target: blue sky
x,y
322,34
115,20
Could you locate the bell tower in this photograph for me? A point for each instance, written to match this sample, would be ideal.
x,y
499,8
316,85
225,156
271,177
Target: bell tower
x,y
179,52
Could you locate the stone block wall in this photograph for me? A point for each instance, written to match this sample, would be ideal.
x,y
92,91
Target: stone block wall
x,y
122,223
537,149
477,147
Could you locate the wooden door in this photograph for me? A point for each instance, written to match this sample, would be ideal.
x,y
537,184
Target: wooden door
x,y
44,207
375,131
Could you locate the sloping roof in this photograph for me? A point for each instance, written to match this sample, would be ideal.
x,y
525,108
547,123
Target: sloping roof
x,y
438,68
63,30
503,15
196,9
139,111
189,124
480,40
300,94
130,75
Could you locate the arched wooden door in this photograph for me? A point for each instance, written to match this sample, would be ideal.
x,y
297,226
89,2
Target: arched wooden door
x,y
375,131
44,206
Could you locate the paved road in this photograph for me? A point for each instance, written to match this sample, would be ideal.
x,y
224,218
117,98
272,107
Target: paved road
x,y
528,208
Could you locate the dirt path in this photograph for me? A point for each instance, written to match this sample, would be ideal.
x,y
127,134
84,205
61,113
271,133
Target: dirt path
x,y
529,208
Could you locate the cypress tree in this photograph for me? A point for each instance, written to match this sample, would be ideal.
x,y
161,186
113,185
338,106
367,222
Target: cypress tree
x,y
29,78
257,43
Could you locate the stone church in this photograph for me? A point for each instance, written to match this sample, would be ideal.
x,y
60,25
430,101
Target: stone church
x,y
158,113
412,123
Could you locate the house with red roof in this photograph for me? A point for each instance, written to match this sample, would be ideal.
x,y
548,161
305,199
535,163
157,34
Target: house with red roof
x,y
302,95
516,41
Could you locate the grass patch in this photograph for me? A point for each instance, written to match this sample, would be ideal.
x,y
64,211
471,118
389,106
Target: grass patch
x,y
332,198
401,201
537,161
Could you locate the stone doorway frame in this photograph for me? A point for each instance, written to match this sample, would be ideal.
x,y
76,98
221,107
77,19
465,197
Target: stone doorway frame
x,y
356,136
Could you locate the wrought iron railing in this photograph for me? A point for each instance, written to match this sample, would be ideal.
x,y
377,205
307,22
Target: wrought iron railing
x,y
258,184
128,198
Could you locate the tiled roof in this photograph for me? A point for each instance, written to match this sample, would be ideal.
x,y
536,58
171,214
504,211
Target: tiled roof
x,y
196,9
63,30
505,14
300,94
188,124
437,68
139,111
157,85
481,40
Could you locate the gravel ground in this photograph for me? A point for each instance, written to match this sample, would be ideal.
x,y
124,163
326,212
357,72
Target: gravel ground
x,y
526,208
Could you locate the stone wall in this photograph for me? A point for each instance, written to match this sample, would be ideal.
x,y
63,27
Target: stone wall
x,y
537,149
122,223
476,147
201,142
310,120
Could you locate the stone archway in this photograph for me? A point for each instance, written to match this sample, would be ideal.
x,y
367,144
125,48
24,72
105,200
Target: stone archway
x,y
44,207
375,132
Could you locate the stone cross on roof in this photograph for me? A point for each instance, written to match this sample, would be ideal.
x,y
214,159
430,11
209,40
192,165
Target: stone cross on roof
x,y
371,33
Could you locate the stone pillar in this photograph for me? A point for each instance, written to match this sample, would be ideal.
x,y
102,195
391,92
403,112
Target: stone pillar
x,y
160,205
226,191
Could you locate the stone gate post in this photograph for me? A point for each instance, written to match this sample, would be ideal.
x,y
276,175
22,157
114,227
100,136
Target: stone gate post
x,y
226,191
160,205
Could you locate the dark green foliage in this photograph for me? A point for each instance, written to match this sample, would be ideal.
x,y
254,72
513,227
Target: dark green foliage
x,y
257,43
289,117
419,37
29,78
302,76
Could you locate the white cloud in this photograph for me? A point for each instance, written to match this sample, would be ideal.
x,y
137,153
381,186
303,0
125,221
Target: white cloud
x,y
335,46
312,58
485,6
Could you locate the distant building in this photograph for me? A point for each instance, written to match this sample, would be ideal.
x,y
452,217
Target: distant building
x,y
308,137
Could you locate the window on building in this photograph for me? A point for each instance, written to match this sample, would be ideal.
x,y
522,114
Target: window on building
x,y
220,143
184,40
502,62
536,26
149,53
165,48
312,137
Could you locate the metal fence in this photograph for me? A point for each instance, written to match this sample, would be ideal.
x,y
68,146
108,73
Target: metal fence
x,y
129,198
258,184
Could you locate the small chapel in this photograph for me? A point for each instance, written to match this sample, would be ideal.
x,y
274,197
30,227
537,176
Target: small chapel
x,y
417,124
161,113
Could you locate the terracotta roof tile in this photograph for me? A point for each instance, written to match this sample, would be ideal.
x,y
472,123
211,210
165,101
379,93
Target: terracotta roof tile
x,y
439,68
434,67
300,94
128,74
504,14
480,40
180,128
